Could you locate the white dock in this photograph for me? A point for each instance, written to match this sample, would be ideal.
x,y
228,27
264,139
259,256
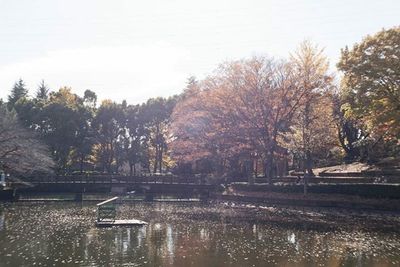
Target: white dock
x,y
106,213
132,222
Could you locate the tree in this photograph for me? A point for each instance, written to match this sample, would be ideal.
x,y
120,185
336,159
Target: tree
x,y
17,92
244,109
348,131
313,129
157,112
20,151
42,93
189,121
60,123
136,138
109,127
27,110
84,137
90,99
371,83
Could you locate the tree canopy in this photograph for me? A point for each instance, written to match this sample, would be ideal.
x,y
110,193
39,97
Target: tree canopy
x,y
371,82
20,151
257,116
17,92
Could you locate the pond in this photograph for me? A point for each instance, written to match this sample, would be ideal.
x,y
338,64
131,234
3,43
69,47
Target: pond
x,y
188,234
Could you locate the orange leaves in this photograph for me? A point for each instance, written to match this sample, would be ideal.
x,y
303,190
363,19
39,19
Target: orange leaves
x,y
242,108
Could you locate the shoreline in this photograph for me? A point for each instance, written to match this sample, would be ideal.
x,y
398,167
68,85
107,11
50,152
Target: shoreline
x,y
312,201
316,200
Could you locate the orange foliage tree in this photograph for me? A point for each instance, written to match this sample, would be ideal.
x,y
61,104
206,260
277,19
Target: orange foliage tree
x,y
245,107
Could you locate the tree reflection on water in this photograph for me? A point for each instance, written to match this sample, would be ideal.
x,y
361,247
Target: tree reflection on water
x,y
54,234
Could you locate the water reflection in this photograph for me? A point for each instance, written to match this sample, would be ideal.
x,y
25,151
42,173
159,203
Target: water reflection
x,y
2,221
54,234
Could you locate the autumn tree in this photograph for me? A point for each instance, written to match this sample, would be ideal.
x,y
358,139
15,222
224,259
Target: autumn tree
x,y
371,84
245,108
190,123
313,130
21,152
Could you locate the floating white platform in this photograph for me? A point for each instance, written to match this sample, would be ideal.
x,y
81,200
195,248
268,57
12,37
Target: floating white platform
x,y
132,222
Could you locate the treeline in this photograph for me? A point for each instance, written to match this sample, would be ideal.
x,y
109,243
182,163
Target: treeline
x,y
257,116
266,116
84,136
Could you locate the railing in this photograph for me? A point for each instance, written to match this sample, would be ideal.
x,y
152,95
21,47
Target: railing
x,y
117,179
333,179
106,210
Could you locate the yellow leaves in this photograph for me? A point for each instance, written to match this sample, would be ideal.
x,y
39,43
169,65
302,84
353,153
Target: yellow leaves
x,y
65,97
107,103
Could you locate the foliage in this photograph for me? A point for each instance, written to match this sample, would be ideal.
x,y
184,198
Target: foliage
x,y
108,125
82,136
371,83
20,151
349,132
42,93
135,140
157,113
243,110
17,92
313,132
248,117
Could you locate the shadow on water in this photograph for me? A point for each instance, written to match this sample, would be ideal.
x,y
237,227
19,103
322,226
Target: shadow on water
x,y
180,234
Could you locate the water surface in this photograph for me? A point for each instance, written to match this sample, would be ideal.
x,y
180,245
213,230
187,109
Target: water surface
x,y
186,234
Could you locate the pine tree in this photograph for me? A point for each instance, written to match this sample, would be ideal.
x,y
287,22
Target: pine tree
x,y
17,92
42,91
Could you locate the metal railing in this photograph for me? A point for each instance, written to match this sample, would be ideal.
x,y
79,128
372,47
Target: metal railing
x,y
116,179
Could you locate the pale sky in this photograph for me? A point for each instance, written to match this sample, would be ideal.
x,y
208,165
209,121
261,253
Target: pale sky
x,y
134,50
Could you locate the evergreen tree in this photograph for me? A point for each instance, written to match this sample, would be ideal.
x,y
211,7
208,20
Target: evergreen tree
x,y
42,92
17,92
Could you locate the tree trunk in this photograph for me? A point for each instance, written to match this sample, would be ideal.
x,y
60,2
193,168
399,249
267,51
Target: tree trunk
x,y
305,182
269,161
81,164
256,168
309,164
130,169
308,172
155,161
160,159
110,160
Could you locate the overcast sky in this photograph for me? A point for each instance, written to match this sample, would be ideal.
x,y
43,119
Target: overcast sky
x,y
135,50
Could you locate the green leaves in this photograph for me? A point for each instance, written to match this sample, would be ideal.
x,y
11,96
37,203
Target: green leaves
x,y
371,82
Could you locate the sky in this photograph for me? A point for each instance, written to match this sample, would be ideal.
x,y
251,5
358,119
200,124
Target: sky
x,y
135,50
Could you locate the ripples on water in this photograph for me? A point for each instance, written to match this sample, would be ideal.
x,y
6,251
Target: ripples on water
x,y
178,234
